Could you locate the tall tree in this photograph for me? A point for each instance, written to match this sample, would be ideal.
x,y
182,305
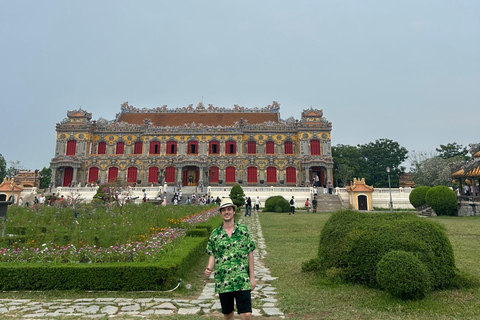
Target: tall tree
x,y
347,164
45,177
378,156
3,168
453,150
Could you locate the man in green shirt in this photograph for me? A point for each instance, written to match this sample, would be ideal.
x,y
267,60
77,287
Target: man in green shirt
x,y
230,248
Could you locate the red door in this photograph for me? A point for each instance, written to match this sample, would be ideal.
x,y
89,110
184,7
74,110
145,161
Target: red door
x,y
67,176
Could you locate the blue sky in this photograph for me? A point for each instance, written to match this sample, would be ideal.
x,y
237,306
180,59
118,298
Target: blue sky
x,y
408,71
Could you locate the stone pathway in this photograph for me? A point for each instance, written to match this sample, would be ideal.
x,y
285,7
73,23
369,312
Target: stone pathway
x,y
263,297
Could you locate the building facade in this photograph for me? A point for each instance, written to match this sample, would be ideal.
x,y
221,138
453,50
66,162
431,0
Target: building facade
x,y
193,146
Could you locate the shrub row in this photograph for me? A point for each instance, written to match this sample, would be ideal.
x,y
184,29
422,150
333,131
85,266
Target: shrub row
x,y
161,275
441,199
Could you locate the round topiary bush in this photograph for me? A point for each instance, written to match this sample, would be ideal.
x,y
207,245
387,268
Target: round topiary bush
x,y
403,275
354,242
276,204
443,200
417,196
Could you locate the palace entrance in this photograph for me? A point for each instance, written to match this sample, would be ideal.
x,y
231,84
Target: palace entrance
x,y
317,176
191,175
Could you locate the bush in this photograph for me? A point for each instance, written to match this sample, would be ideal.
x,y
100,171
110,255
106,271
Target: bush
x,y
355,242
443,200
237,195
276,204
417,196
403,275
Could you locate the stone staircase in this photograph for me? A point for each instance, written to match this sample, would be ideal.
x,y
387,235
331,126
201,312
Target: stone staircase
x,y
328,203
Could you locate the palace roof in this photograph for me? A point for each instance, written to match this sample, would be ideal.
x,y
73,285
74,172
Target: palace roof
x,y
211,116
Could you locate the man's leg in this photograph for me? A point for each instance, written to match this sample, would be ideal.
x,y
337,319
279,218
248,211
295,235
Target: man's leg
x,y
228,316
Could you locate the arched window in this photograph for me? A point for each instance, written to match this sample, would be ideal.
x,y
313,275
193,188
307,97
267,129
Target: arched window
x,y
230,175
192,147
71,147
132,175
120,148
170,174
152,175
171,147
102,147
291,173
288,147
214,176
251,147
138,147
230,147
252,175
271,175
112,174
214,147
270,147
315,148
154,147
92,174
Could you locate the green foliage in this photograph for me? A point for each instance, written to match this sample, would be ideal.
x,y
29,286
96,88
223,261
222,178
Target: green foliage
x,y
433,170
443,200
237,195
310,265
369,161
45,177
453,150
378,156
417,196
355,242
276,204
3,168
161,275
96,224
403,275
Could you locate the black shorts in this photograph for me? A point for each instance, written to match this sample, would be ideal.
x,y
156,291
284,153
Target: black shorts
x,y
243,298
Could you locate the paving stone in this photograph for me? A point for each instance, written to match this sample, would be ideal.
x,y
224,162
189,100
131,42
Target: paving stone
x,y
89,309
3,310
105,299
144,300
161,300
166,305
34,315
272,312
109,310
162,311
186,311
132,307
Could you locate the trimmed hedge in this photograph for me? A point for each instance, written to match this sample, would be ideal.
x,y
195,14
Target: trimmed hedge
x,y
161,275
417,196
276,204
443,200
355,242
403,275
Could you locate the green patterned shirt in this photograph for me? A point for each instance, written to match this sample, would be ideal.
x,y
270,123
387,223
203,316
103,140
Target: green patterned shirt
x,y
231,258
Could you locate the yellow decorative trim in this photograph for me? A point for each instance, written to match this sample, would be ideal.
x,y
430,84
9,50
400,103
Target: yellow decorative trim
x,y
129,138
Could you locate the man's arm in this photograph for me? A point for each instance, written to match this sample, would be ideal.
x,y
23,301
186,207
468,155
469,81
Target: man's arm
x,y
251,270
210,265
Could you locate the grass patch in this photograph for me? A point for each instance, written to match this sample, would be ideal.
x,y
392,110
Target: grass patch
x,y
292,240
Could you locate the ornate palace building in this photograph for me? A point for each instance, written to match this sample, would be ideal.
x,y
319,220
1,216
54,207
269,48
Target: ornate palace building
x,y
194,146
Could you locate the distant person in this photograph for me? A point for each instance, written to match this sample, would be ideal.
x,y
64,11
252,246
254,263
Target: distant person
x,y
307,205
144,198
292,206
314,204
257,204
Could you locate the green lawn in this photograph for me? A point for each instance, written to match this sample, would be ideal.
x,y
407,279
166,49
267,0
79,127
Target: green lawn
x,y
292,240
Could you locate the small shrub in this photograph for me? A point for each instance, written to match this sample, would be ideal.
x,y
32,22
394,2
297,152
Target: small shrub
x,y
311,265
417,196
443,200
403,275
276,204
